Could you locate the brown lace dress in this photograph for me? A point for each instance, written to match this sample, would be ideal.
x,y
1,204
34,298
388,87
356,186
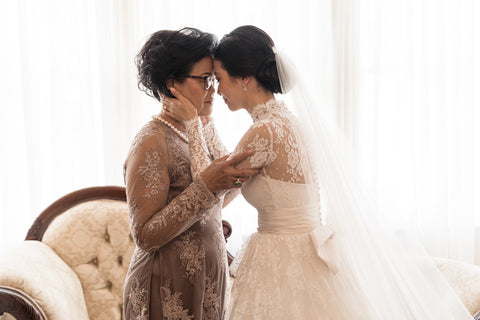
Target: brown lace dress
x,y
179,266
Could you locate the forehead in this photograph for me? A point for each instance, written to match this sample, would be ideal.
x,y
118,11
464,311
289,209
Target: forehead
x,y
218,66
203,66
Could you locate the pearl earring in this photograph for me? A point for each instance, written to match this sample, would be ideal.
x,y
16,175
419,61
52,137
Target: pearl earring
x,y
244,87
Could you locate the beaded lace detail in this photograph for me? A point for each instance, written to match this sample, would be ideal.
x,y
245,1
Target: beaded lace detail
x,y
199,154
215,145
274,139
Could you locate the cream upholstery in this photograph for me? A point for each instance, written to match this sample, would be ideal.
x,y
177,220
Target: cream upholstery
x,y
93,238
465,280
31,268
80,265
78,270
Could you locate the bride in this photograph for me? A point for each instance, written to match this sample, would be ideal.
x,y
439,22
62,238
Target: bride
x,y
301,264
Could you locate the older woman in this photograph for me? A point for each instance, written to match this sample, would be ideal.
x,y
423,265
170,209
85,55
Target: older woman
x,y
179,267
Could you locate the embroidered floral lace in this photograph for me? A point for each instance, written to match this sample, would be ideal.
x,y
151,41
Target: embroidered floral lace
x,y
180,258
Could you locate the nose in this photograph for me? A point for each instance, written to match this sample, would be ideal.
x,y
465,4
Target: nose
x,y
211,90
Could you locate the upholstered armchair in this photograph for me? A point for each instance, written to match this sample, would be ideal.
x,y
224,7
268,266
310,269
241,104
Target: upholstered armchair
x,y
75,257
74,260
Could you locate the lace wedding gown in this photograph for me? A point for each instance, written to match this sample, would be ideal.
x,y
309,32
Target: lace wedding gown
x,y
294,267
281,272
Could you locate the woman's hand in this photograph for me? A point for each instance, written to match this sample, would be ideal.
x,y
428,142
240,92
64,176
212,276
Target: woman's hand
x,y
221,174
180,109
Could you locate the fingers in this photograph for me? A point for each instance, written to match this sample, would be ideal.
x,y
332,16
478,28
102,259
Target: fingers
x,y
178,94
170,108
185,109
223,158
239,157
245,173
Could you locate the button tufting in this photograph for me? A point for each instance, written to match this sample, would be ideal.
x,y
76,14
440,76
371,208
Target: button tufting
x,y
120,260
107,237
109,285
94,261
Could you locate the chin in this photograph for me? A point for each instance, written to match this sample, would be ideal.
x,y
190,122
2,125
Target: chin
x,y
231,107
206,110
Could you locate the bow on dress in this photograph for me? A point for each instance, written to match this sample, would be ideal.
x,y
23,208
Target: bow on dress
x,y
326,247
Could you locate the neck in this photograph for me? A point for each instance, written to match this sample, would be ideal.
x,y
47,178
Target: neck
x,y
260,97
177,124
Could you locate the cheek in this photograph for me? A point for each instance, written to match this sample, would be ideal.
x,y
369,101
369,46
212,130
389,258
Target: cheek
x,y
195,95
224,90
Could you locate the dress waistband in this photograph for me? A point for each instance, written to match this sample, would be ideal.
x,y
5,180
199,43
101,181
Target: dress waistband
x,y
288,220
303,220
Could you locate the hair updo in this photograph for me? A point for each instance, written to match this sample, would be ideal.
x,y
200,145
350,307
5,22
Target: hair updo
x,y
169,54
247,51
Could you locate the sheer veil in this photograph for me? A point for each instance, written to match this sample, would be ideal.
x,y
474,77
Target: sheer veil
x,y
380,275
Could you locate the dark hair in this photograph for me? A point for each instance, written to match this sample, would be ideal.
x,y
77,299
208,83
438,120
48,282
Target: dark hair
x,y
247,51
169,54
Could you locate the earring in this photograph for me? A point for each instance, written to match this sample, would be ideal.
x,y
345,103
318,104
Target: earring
x,y
244,87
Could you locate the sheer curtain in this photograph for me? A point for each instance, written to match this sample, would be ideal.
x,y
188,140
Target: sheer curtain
x,y
69,101
408,96
63,99
404,86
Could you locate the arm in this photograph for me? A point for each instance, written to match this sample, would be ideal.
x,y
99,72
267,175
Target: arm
x,y
154,222
215,145
182,109
217,150
260,139
199,154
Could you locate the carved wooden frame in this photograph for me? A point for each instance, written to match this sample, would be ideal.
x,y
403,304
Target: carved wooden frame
x,y
19,304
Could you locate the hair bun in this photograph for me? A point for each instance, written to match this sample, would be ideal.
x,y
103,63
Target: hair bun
x,y
267,75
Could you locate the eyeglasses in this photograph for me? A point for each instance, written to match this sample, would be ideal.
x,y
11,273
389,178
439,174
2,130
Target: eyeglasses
x,y
207,80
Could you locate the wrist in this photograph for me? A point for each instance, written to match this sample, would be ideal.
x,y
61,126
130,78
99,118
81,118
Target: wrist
x,y
206,120
204,177
191,120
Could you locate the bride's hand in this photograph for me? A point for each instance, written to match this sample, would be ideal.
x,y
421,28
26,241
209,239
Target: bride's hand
x,y
205,120
180,109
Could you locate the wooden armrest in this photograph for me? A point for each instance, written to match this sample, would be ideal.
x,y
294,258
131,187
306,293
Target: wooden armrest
x,y
33,275
19,305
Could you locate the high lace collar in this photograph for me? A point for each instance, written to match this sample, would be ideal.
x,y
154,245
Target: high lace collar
x,y
267,109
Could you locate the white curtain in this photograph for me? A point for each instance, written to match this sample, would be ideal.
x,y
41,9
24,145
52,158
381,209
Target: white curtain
x,y
69,100
403,86
408,96
66,93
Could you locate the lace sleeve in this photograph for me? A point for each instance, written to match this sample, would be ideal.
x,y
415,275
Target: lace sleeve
x,y
154,222
259,138
215,145
217,149
199,155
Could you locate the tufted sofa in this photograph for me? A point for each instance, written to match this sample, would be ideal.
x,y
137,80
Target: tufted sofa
x,y
75,257
74,260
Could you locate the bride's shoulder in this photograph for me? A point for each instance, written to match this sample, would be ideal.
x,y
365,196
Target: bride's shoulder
x,y
260,130
265,125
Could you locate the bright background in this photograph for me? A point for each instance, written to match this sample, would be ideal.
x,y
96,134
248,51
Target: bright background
x,y
401,78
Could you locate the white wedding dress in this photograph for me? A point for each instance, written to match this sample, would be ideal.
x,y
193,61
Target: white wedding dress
x,y
295,266
279,273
